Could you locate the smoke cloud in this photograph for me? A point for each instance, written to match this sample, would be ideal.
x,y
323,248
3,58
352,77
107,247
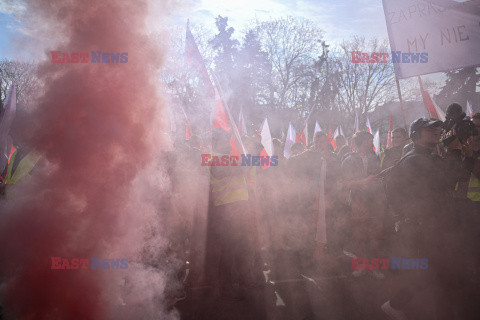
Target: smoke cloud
x,y
100,188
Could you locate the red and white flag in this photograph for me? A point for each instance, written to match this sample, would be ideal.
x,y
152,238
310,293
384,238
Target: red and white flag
x,y
261,126
433,110
221,116
341,131
469,111
368,126
267,143
289,141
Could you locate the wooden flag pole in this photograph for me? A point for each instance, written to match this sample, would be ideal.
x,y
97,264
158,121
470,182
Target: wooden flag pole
x,y
401,103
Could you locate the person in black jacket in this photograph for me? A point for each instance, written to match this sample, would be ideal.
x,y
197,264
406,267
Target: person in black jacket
x,y
423,185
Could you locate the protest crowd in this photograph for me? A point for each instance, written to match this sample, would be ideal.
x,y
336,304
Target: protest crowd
x,y
332,208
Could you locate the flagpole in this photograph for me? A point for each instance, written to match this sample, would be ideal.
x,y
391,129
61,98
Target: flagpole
x,y
230,117
401,103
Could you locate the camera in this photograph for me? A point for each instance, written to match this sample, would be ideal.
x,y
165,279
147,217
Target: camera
x,y
462,125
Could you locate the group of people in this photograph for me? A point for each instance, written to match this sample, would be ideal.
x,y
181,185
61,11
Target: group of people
x,y
418,199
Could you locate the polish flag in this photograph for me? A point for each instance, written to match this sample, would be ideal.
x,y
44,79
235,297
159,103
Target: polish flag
x,y
469,110
289,141
433,110
341,131
369,127
261,126
267,144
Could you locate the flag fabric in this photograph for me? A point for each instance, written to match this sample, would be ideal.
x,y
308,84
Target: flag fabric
x,y
188,128
432,36
331,139
356,125
321,232
317,127
376,142
9,111
289,141
469,111
390,129
341,132
266,140
336,133
261,126
195,60
433,110
221,116
224,120
220,119
303,136
368,126
242,126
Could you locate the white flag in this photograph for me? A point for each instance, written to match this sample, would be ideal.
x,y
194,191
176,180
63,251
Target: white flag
x,y
336,133
267,138
289,141
376,142
317,127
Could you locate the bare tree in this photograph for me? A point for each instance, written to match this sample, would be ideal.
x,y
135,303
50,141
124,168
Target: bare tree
x,y
364,85
292,45
24,75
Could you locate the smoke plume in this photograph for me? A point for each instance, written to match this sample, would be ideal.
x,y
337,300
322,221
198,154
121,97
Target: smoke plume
x,y
98,190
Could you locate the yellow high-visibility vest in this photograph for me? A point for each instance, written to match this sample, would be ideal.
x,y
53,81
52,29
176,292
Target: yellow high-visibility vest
x,y
24,167
473,192
229,189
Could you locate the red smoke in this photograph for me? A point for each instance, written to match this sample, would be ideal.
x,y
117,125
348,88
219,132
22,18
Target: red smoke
x,y
96,128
